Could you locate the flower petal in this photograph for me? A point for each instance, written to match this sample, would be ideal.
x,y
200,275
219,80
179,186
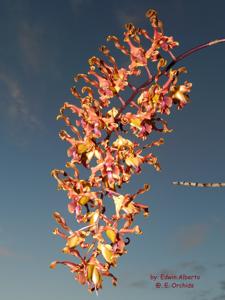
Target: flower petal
x,y
111,235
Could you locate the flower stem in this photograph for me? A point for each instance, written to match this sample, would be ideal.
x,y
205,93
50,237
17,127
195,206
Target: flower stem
x,y
166,69
193,50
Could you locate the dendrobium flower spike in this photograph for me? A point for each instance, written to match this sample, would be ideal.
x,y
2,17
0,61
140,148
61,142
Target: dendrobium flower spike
x,y
98,141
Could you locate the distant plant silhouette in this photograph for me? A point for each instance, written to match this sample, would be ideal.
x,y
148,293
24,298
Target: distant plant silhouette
x,y
99,142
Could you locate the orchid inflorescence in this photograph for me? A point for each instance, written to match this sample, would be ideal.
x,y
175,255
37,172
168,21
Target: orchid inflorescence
x,y
99,142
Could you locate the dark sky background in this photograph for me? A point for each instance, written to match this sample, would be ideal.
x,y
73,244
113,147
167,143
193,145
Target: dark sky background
x,y
43,45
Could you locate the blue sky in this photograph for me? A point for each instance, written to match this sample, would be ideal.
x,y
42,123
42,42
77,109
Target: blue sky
x,y
43,45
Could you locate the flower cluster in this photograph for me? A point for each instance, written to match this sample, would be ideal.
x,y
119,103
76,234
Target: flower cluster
x,y
99,142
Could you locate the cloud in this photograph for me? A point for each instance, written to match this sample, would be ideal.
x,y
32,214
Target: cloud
x,y
167,271
202,294
195,267
220,265
140,284
199,269
17,107
33,42
186,264
30,38
76,4
192,236
128,17
219,222
19,116
5,251
219,297
222,288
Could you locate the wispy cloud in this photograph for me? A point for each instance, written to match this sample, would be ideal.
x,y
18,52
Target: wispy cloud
x,y
219,297
76,4
5,251
192,236
33,41
194,266
220,265
131,16
167,271
18,107
17,110
202,294
219,222
222,289
31,44
140,284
